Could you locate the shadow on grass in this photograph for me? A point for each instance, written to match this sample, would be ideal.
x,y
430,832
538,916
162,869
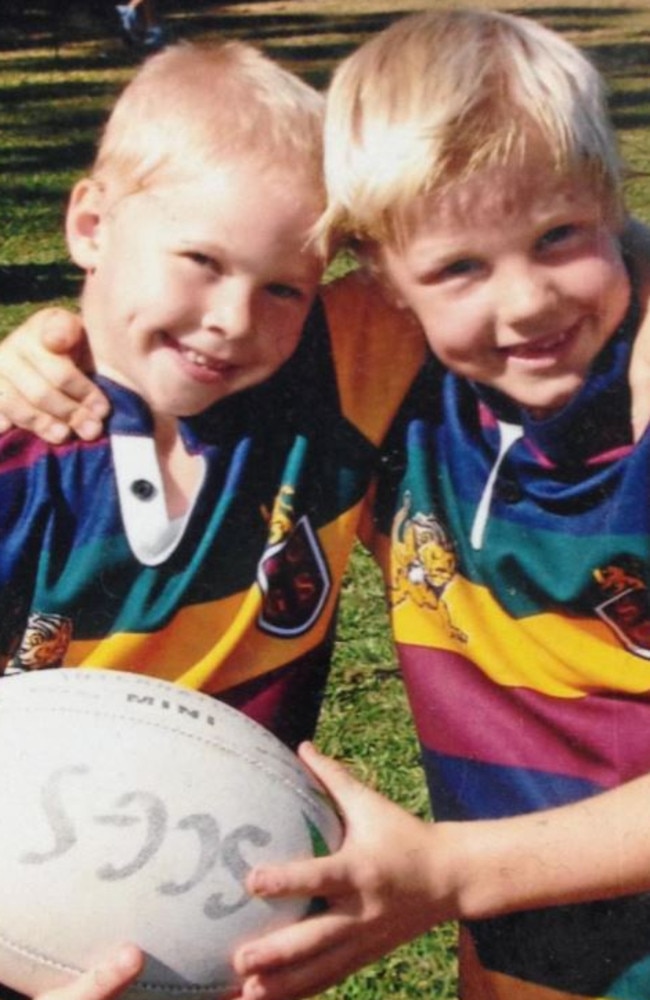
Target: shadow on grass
x,y
37,282
28,158
52,24
53,111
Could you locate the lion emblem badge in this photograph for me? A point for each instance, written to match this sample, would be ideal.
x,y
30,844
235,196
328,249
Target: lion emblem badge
x,y
424,563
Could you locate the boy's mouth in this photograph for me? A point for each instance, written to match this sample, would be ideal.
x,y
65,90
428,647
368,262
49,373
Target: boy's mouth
x,y
202,360
197,359
542,347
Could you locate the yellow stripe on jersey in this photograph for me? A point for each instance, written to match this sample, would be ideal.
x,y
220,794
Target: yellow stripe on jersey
x,y
524,652
233,650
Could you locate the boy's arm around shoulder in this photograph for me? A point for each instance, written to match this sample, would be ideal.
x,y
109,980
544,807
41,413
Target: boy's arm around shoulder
x,y
378,350
396,876
41,388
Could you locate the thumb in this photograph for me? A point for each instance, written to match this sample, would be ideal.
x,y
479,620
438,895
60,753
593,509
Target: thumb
x,y
312,876
106,980
348,794
61,331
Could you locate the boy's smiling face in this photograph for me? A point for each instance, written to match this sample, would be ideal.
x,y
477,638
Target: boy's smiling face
x,y
197,287
517,285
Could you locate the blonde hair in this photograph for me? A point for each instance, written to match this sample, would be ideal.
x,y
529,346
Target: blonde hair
x,y
195,106
439,96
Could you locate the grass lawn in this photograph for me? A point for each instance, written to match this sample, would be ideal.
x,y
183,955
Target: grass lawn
x,y
59,69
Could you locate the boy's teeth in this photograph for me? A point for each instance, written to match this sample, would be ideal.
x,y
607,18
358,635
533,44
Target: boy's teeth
x,y
540,346
197,359
544,345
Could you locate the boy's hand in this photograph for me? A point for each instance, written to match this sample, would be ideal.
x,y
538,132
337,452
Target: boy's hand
x,y
41,388
378,888
105,981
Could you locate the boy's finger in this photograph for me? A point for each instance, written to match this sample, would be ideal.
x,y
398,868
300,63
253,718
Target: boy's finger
x,y
334,776
304,978
313,877
300,942
51,415
17,411
351,797
53,383
85,425
105,981
57,329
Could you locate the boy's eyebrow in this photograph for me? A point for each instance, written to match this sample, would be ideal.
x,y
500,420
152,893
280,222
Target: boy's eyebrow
x,y
200,242
428,258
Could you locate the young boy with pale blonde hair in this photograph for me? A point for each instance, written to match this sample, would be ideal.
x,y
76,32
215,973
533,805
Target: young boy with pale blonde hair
x,y
470,161
202,538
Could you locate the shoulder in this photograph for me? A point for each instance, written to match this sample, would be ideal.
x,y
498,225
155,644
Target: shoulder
x,y
357,306
377,348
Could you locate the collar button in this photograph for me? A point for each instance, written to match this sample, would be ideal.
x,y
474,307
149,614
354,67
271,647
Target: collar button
x,y
143,489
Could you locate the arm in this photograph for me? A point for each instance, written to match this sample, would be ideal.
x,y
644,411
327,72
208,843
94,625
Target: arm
x,y
41,389
397,876
104,982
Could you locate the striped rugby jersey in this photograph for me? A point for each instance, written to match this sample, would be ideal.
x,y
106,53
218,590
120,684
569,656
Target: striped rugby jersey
x,y
238,599
517,555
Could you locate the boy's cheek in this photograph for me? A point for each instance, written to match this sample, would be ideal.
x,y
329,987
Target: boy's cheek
x,y
450,332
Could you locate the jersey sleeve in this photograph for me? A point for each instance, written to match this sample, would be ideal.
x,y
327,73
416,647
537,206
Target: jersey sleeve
x,y
378,351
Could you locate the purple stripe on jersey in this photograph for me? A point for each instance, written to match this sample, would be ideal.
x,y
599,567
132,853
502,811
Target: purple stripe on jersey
x,y
462,788
460,712
19,450
613,455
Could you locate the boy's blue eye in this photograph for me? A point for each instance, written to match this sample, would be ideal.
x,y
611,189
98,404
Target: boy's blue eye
x,y
203,260
280,291
557,235
459,268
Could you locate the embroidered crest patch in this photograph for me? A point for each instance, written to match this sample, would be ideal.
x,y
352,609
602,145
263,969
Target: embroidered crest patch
x,y
295,582
627,607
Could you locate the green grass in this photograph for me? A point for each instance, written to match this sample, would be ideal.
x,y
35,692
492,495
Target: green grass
x,y
366,723
57,77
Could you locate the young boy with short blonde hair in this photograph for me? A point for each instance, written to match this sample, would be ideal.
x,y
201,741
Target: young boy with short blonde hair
x,y
203,536
470,160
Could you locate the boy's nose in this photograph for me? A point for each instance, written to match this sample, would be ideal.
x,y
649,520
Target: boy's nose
x,y
526,294
229,311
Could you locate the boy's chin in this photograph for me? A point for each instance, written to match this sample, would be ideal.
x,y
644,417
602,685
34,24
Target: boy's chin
x,y
545,409
545,398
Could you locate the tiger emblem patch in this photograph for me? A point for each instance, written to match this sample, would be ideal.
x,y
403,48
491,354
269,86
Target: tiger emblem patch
x,y
44,643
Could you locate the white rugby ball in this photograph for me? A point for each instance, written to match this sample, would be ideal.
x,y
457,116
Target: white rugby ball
x,y
132,810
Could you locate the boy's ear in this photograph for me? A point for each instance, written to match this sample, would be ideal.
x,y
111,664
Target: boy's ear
x,y
84,220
